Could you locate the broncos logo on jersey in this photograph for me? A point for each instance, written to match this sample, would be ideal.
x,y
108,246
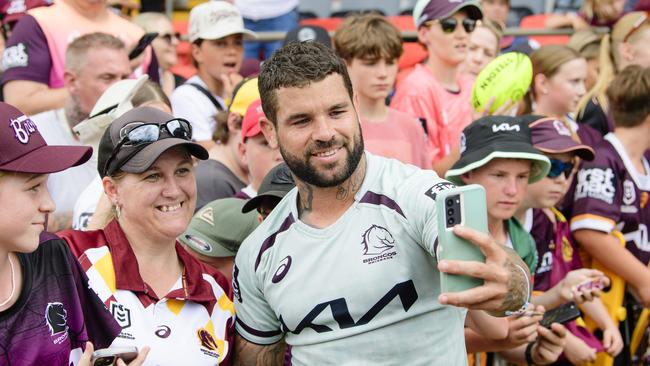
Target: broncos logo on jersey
x,y
56,317
377,240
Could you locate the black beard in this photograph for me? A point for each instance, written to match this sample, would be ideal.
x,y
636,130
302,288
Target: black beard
x,y
308,174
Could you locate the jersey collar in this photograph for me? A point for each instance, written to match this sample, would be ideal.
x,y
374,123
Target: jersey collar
x,y
127,274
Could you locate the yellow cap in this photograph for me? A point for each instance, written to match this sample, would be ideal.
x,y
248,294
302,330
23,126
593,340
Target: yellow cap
x,y
245,93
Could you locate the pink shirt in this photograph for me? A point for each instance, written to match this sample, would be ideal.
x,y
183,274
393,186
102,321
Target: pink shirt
x,y
400,136
446,113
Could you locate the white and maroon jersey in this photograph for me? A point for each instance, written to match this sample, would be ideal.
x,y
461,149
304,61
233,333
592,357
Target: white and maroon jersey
x,y
362,291
612,195
191,325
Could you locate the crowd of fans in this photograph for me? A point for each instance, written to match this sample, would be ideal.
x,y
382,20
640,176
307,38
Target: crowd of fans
x,y
282,146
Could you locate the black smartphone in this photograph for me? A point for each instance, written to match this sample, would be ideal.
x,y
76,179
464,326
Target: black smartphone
x,y
142,44
561,314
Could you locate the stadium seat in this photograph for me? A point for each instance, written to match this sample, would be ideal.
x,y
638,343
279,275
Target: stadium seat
x,y
538,21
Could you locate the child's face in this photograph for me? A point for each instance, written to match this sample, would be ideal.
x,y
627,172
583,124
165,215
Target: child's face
x,y
483,48
221,56
26,202
505,182
372,78
547,192
496,10
562,92
448,48
609,10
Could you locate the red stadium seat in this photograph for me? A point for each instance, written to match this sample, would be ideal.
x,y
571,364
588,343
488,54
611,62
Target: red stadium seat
x,y
538,21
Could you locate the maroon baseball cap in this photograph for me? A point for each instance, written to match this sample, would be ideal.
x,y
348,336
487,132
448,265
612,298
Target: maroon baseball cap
x,y
426,10
23,149
551,135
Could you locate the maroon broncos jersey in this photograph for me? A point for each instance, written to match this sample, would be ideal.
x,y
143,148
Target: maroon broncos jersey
x,y
56,312
611,194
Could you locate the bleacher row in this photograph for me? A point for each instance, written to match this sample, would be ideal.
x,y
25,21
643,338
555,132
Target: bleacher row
x,y
397,11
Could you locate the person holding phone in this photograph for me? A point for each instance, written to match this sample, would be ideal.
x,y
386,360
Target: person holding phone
x,y
347,260
47,310
159,294
560,276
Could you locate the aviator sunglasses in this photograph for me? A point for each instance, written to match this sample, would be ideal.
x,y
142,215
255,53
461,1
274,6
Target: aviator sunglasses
x,y
558,167
449,25
144,133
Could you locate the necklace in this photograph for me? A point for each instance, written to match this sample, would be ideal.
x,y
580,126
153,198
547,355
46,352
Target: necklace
x,y
13,284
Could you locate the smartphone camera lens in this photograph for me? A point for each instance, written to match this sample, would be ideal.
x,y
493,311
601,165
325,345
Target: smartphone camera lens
x,y
451,221
449,202
450,212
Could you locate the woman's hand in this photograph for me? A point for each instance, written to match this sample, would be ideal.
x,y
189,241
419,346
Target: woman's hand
x,y
523,329
88,354
572,289
549,345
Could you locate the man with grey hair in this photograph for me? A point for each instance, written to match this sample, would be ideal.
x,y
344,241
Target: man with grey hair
x,y
94,62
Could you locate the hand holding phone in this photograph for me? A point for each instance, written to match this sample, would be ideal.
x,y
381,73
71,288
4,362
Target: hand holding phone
x,y
464,206
561,314
109,356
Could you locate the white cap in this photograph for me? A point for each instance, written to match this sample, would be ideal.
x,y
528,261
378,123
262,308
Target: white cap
x,y
216,19
115,101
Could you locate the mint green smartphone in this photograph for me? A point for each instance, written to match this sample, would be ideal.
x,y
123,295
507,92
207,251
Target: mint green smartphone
x,y
463,206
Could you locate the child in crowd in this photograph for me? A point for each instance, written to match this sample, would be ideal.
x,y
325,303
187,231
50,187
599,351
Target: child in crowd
x,y
559,272
436,91
626,44
47,310
371,46
483,47
216,31
612,191
496,153
598,13
587,43
559,75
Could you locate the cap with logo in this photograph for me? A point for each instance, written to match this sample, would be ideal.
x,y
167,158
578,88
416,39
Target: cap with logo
x,y
493,137
308,33
216,19
276,183
115,101
426,10
552,136
219,228
23,149
250,126
137,158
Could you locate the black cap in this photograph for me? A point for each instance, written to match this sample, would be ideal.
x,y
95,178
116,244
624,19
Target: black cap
x,y
308,33
277,183
493,137
138,158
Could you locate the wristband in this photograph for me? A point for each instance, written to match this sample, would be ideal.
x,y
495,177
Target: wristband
x,y
529,354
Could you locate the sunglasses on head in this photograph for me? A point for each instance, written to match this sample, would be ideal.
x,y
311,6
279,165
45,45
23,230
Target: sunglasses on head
x,y
558,167
449,25
168,37
145,133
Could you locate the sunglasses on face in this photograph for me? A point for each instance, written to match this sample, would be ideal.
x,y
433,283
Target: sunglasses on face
x,y
558,167
449,25
168,37
144,133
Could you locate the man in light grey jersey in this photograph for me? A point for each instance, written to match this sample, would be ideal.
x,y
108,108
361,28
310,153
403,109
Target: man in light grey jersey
x,y
344,269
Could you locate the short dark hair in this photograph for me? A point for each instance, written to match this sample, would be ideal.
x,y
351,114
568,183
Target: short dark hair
x,y
628,95
297,65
